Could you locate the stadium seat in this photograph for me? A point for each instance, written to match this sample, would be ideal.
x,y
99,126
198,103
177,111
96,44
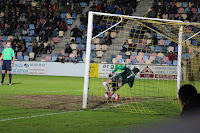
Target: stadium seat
x,y
141,61
163,49
63,15
134,61
79,46
185,4
198,10
119,57
48,58
4,38
0,37
160,55
147,62
55,33
68,15
187,56
165,59
78,40
31,26
69,21
84,40
167,42
170,49
81,27
98,47
99,54
20,58
114,60
10,37
96,41
152,48
31,55
112,56
97,60
30,48
60,33
127,61
74,15
92,47
159,36
157,49
26,58
56,39
134,53
101,36
145,57
152,58
181,10
113,34
176,49
19,53
54,58
1,50
194,10
174,62
74,46
104,47
130,41
83,4
161,42
62,52
32,32
121,61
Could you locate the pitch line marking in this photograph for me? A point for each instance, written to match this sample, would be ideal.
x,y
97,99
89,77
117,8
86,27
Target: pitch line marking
x,y
49,114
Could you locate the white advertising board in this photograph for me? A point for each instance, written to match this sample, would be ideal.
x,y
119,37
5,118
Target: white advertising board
x,y
147,72
29,68
66,69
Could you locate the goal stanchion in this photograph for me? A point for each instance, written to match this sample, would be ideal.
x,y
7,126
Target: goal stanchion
x,y
145,43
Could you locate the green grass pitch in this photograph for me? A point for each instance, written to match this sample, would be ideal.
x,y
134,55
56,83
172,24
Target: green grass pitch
x,y
24,107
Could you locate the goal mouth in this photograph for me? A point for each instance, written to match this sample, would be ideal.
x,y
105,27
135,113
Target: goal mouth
x,y
165,51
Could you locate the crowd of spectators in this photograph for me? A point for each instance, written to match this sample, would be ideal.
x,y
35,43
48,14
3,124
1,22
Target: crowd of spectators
x,y
38,20
184,10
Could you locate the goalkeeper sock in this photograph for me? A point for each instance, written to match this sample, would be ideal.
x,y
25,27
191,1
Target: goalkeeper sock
x,y
105,84
10,78
3,76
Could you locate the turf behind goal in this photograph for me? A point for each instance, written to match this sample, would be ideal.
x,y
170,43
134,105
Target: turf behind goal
x,y
165,51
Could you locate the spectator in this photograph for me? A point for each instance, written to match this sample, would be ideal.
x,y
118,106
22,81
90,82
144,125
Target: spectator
x,y
68,49
41,49
108,39
79,52
49,46
155,39
171,56
24,49
35,48
25,31
75,61
190,101
76,32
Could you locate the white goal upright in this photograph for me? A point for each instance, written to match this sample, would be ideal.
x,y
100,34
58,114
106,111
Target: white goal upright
x,y
145,43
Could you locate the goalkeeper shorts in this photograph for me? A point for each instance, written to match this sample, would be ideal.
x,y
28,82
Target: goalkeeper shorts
x,y
116,83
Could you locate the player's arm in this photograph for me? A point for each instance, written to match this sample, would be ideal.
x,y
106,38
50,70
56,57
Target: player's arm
x,y
117,68
130,81
13,60
2,55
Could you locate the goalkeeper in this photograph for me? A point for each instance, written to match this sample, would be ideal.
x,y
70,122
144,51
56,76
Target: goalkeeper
x,y
118,80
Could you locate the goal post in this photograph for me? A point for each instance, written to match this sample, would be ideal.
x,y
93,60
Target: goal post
x,y
123,25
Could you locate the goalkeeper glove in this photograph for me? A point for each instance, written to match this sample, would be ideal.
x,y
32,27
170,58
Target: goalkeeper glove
x,y
110,75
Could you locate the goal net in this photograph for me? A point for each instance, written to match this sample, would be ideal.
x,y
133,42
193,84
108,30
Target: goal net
x,y
166,52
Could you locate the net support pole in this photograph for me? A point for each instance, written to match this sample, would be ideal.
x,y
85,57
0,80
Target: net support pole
x,y
87,62
179,68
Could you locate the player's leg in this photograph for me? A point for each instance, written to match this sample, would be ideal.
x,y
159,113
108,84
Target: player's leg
x,y
3,73
9,72
106,84
10,77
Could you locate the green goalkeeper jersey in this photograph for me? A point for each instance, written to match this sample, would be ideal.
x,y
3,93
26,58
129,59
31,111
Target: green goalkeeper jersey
x,y
127,76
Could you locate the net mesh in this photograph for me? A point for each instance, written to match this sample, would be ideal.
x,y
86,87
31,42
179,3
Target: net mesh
x,y
151,46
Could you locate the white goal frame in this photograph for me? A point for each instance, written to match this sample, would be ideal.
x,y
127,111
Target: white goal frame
x,y
88,49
